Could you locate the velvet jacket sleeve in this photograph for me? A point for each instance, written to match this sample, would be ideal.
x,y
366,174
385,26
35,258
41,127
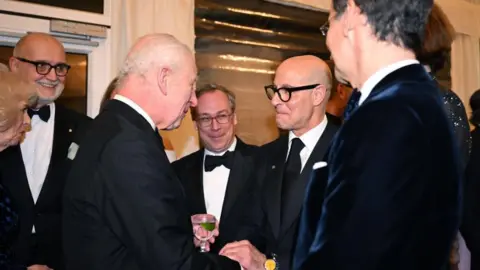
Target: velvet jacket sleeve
x,y
377,190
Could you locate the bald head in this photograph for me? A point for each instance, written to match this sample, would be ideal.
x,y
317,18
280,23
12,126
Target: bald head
x,y
33,58
308,69
299,110
32,43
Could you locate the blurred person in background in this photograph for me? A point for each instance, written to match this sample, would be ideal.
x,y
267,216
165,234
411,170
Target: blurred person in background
x,y
439,36
471,219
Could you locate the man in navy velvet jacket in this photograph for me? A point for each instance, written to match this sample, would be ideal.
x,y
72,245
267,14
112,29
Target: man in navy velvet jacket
x,y
389,197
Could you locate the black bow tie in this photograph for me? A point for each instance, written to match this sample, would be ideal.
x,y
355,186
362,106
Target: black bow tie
x,y
211,162
43,113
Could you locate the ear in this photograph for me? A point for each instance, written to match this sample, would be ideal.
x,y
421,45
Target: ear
x,y
234,119
163,79
13,64
319,94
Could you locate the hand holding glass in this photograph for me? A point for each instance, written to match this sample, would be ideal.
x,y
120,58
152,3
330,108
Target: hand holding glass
x,y
204,226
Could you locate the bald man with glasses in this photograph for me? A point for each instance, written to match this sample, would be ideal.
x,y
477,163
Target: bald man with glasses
x,y
35,171
299,95
220,179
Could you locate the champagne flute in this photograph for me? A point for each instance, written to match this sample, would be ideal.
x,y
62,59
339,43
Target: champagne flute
x,y
203,227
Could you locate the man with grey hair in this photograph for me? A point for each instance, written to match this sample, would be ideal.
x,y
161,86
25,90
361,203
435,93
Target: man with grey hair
x,y
299,94
220,179
124,207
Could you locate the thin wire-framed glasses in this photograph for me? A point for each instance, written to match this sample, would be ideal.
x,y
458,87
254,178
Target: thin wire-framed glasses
x,y
285,93
206,121
43,68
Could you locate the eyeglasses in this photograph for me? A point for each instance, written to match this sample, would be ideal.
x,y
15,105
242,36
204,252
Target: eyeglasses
x,y
324,28
285,93
43,68
206,121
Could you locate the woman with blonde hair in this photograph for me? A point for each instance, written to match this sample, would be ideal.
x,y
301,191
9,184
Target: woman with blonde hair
x,y
16,96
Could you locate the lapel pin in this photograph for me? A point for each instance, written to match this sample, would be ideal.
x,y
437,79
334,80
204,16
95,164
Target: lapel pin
x,y
273,167
69,130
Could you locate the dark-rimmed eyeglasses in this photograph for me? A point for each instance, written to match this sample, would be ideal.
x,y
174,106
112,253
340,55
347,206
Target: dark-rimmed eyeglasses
x,y
206,121
324,28
43,68
285,93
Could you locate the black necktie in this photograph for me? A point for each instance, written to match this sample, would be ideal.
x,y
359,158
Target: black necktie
x,y
352,104
291,172
43,113
211,162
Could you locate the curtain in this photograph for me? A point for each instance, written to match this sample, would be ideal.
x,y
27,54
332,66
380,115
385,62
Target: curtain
x,y
132,19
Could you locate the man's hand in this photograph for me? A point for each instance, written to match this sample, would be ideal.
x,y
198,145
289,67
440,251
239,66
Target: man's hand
x,y
39,267
245,254
198,231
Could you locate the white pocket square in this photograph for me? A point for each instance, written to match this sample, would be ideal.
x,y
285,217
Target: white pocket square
x,y
319,165
72,151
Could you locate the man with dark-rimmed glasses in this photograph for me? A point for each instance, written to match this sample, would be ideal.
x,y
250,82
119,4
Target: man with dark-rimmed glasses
x,y
220,179
35,171
299,95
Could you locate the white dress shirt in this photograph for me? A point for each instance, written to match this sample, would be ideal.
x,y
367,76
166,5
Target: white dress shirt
x,y
137,108
309,139
37,151
371,82
215,184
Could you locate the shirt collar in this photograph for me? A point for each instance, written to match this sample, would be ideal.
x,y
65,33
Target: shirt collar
x,y
231,149
137,108
311,137
371,82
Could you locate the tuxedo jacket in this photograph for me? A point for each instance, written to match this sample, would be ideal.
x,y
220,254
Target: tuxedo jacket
x,y
392,185
124,207
276,237
69,126
243,182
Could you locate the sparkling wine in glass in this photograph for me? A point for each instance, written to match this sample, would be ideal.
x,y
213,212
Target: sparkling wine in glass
x,y
203,227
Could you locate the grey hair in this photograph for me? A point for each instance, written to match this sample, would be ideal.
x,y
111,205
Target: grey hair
x,y
155,50
212,87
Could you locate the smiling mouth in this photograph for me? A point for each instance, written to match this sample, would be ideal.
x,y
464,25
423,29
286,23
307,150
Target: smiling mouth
x,y
47,85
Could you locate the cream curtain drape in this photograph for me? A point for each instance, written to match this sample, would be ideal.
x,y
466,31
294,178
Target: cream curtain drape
x,y
134,18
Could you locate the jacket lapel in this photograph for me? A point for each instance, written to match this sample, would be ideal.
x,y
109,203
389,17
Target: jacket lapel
x,y
62,138
274,175
238,175
196,184
318,154
14,177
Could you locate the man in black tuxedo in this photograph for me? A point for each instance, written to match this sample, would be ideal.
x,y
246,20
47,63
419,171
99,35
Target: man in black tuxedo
x,y
219,179
391,186
34,172
124,207
299,94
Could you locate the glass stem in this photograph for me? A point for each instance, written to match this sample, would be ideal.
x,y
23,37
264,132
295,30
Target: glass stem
x,y
203,246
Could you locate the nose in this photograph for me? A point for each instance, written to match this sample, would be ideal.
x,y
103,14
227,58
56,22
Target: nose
x,y
52,76
215,125
275,100
193,100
